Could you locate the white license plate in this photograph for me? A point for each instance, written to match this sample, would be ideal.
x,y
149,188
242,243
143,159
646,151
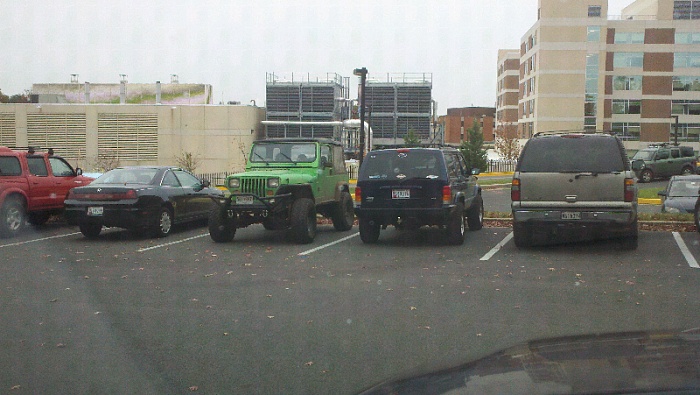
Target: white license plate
x,y
400,193
570,215
95,211
244,200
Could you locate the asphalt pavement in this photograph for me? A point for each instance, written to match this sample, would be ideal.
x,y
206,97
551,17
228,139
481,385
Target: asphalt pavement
x,y
261,315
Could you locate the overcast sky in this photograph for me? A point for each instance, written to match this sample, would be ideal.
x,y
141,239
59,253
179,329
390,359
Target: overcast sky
x,y
231,44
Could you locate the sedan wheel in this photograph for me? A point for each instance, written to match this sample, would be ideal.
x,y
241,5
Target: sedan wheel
x,y
165,223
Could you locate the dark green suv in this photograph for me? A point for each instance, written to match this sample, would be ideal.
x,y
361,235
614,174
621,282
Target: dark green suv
x,y
287,182
413,187
663,161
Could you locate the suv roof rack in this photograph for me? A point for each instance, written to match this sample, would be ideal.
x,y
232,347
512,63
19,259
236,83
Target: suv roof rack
x,y
564,131
33,149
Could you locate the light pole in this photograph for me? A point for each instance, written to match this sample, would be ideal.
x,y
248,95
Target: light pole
x,y
362,73
675,133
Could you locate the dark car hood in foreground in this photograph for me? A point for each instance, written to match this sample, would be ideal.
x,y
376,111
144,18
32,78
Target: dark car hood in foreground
x,y
633,362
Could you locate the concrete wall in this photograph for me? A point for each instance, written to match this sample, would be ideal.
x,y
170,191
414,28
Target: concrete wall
x,y
218,136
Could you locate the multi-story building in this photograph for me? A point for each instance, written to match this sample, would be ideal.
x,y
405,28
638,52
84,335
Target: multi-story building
x,y
508,80
636,74
458,121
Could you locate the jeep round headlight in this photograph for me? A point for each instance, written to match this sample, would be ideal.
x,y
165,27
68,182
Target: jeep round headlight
x,y
234,183
273,182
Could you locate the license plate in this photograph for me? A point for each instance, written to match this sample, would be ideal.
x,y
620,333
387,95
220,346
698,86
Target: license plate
x,y
244,200
570,215
400,194
95,211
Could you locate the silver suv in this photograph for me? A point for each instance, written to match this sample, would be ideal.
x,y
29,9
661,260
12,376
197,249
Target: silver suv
x,y
569,186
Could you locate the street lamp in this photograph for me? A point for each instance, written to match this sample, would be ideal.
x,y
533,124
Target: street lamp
x,y
362,73
675,133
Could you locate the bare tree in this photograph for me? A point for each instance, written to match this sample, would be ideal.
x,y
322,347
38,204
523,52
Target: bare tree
x,y
104,163
188,161
506,142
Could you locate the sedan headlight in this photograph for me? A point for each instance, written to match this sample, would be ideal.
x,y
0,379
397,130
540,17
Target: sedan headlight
x,y
234,183
273,182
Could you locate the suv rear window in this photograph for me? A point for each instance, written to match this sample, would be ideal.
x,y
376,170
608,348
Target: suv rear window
x,y
9,166
571,155
409,163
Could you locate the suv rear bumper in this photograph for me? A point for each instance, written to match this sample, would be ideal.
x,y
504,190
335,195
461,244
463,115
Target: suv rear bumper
x,y
616,217
427,216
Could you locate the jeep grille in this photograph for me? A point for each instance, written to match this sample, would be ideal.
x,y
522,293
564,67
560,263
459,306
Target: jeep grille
x,y
254,185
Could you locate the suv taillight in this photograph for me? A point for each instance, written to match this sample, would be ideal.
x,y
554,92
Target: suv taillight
x,y
446,194
515,190
358,195
629,189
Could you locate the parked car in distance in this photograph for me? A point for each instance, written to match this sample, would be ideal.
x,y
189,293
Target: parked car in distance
x,y
414,187
680,194
567,185
142,199
663,161
33,186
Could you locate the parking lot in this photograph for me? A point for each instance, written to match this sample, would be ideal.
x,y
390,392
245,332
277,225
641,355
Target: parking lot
x,y
262,315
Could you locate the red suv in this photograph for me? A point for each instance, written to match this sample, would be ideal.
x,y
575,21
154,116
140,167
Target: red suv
x,y
33,186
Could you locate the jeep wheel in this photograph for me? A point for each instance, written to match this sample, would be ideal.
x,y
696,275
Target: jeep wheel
x,y
646,176
89,230
475,216
165,223
369,231
222,225
456,226
521,236
686,171
344,216
269,223
303,221
38,218
12,218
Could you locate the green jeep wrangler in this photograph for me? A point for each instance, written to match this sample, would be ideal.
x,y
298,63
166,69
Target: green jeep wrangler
x,y
285,184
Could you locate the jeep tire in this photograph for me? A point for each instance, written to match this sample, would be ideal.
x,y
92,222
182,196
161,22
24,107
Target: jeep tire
x,y
369,231
475,216
344,214
456,226
222,224
303,221
12,217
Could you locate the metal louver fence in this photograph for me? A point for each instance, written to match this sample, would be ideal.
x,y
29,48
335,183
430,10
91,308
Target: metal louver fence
x,y
129,137
7,129
65,133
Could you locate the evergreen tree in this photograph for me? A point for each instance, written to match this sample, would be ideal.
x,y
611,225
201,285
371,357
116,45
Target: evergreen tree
x,y
472,149
411,140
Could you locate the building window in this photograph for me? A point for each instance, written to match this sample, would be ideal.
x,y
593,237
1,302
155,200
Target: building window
x,y
626,106
629,37
686,60
626,130
686,83
593,35
628,59
594,11
627,83
686,9
685,107
687,38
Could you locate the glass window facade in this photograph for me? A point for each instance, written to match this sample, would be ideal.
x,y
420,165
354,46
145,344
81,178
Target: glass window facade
x,y
594,11
685,107
593,35
627,83
686,60
687,38
627,106
628,59
686,83
686,9
629,37
626,130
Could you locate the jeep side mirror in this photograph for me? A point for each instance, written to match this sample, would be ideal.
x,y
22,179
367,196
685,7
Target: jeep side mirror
x,y
325,163
637,164
476,171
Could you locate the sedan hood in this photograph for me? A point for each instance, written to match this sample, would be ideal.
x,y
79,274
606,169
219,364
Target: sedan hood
x,y
632,362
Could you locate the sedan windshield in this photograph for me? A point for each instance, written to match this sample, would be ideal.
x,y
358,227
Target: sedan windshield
x,y
684,188
127,176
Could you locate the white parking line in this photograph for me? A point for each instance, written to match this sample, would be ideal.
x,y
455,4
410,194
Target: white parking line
x,y
35,240
328,245
498,246
686,252
169,244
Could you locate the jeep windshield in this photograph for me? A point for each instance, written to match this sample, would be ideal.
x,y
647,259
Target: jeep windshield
x,y
644,155
402,164
283,153
587,154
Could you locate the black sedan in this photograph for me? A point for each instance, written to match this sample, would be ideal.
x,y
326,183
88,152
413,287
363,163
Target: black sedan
x,y
143,199
680,194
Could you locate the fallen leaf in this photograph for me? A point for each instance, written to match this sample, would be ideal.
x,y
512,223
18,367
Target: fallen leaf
x,y
193,388
309,363
413,308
